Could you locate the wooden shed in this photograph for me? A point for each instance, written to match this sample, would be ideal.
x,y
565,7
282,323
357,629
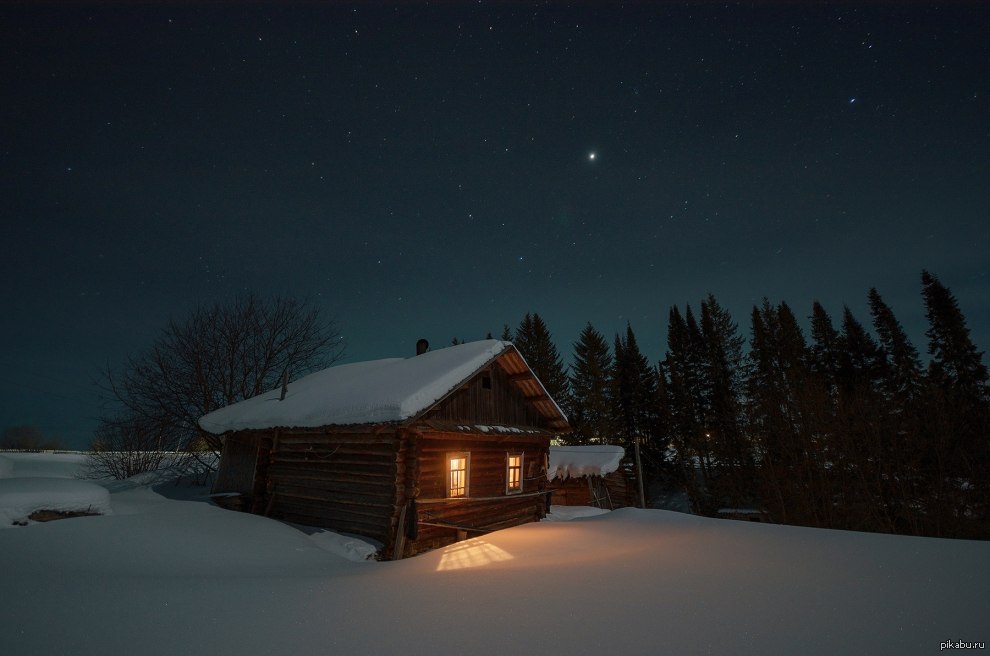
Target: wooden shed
x,y
596,475
413,453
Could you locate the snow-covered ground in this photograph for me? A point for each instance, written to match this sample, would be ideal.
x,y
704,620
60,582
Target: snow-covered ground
x,y
169,573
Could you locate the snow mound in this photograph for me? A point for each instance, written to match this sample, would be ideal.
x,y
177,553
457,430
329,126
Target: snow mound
x,y
576,461
19,497
567,513
346,546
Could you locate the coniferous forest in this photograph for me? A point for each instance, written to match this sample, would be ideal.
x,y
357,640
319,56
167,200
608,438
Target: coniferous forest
x,y
845,427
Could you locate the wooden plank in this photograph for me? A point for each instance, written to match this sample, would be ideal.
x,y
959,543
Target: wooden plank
x,y
285,504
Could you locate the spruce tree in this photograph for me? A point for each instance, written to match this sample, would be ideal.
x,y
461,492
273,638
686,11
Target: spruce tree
x,y
859,358
900,366
903,451
957,418
635,394
955,361
785,415
688,407
534,341
859,438
722,378
591,390
824,347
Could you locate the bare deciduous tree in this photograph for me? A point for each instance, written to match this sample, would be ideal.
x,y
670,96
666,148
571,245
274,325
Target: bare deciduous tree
x,y
125,447
218,355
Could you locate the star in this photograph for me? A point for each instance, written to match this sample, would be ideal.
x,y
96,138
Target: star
x,y
591,157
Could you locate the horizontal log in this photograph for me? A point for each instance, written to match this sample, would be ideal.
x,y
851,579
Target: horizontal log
x,y
336,500
501,440
433,526
367,432
301,488
279,472
333,459
324,451
383,488
284,504
328,466
371,531
434,440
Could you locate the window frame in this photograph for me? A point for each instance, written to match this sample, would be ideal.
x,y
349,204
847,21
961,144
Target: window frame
x,y
519,472
449,487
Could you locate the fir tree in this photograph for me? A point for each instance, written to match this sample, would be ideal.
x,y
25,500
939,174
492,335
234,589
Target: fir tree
x,y
957,418
900,366
859,438
536,345
688,407
955,361
824,347
722,377
785,414
635,391
859,358
591,395
903,451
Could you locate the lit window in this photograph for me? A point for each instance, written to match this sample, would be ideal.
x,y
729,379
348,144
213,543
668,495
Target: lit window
x,y
457,477
513,473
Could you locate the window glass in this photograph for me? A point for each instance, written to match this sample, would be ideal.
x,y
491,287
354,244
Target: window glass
x,y
513,473
457,467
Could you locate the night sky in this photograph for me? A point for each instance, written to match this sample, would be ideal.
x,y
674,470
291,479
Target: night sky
x,y
439,171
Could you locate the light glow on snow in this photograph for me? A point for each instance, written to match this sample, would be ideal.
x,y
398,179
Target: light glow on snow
x,y
164,576
471,553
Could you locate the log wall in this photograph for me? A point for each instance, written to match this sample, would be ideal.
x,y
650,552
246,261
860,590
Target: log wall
x,y
612,491
500,402
362,482
439,521
347,482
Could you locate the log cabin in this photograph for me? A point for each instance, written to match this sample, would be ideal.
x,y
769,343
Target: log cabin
x,y
412,453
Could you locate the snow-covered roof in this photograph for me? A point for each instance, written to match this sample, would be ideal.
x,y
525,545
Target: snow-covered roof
x,y
592,460
378,391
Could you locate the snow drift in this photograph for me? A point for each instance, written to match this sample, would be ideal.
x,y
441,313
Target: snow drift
x,y
166,576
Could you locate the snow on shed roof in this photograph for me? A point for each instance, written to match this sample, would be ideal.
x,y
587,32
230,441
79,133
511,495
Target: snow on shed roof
x,y
389,390
592,460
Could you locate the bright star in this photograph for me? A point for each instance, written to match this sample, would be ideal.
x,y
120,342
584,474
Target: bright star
x,y
591,157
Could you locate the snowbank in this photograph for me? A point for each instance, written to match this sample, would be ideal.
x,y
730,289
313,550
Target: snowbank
x,y
164,577
19,497
568,513
575,461
346,546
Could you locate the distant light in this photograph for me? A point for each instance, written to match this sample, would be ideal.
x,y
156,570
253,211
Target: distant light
x,y
852,100
591,156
